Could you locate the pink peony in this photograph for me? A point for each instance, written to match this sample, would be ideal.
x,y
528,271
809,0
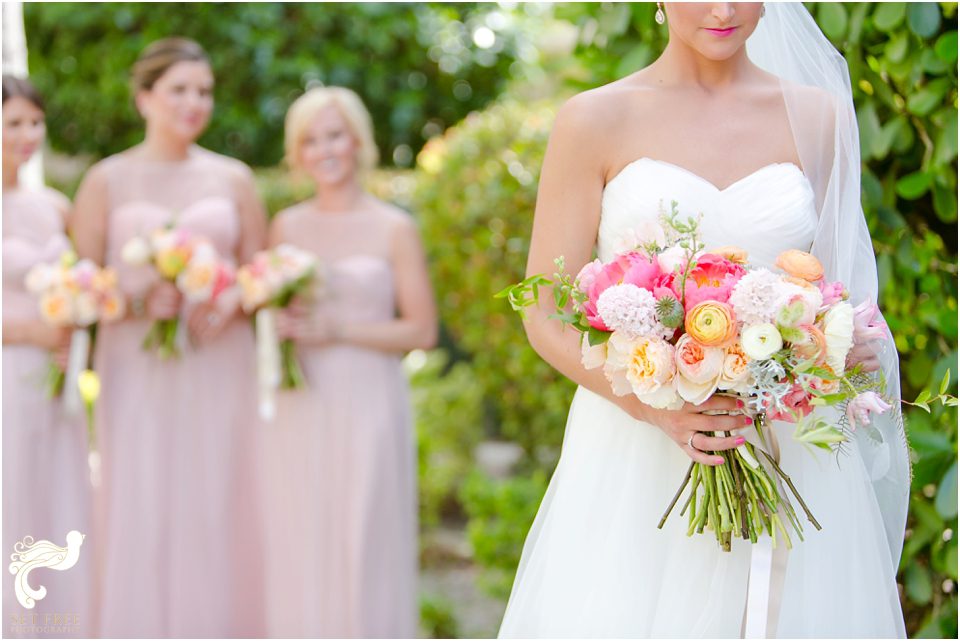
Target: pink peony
x,y
868,324
712,278
796,405
859,410
639,269
595,278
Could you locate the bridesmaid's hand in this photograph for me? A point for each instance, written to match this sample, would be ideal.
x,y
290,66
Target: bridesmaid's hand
x,y
164,300
689,423
206,320
54,339
315,329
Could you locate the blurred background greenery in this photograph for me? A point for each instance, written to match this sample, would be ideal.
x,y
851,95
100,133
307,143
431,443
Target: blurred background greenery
x,y
463,98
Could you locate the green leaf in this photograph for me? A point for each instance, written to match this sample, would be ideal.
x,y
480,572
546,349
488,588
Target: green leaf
x,y
597,336
896,47
923,18
945,383
918,584
913,186
888,15
946,499
833,19
924,101
946,46
922,397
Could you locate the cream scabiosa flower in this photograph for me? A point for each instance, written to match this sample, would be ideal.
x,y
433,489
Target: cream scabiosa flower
x,y
755,296
631,310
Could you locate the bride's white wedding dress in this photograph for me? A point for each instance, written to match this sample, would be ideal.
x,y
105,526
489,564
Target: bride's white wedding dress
x,y
595,564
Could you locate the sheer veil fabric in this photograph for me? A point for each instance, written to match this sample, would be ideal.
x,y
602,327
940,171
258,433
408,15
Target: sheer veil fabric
x,y
819,101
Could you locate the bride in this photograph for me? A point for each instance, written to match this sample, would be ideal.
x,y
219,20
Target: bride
x,y
747,118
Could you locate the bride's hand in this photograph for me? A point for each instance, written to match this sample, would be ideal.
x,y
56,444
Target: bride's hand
x,y
690,421
866,354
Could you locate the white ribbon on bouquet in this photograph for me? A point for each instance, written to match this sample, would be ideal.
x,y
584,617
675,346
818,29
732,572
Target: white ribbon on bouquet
x,y
76,363
268,363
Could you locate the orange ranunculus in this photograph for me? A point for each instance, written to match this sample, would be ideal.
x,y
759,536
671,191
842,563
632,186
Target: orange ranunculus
x,y
800,264
711,324
732,253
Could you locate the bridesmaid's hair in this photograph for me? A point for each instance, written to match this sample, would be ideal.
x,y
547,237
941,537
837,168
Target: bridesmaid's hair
x,y
159,56
351,107
14,87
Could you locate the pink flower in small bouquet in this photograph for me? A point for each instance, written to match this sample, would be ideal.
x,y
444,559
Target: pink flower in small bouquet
x,y
272,280
188,261
73,293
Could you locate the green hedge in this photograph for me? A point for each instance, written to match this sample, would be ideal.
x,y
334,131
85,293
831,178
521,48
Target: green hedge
x,y
416,66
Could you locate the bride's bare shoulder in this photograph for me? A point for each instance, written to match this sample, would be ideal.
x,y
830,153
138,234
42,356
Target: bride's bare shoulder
x,y
595,120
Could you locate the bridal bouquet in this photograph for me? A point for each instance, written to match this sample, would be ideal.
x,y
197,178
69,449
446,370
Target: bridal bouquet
x,y
74,293
271,281
191,263
671,322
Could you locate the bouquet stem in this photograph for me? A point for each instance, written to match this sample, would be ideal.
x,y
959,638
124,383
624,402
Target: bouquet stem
x,y
292,376
162,337
740,497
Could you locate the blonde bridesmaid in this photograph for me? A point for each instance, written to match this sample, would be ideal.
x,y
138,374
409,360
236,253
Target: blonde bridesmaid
x,y
341,486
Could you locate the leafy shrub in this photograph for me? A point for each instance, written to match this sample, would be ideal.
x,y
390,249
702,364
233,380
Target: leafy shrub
x,y
475,195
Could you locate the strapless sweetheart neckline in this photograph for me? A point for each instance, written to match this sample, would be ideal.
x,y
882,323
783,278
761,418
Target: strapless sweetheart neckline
x,y
683,170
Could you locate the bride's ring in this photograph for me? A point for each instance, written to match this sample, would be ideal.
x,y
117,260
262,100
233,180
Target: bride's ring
x,y
690,441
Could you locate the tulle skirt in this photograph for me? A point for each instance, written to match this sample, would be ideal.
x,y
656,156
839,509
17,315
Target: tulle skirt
x,y
595,565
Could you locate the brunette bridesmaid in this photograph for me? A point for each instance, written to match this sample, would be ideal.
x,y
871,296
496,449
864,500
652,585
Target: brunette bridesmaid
x,y
46,487
179,539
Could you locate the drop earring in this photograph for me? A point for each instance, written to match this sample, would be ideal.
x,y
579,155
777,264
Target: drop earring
x,y
763,10
659,15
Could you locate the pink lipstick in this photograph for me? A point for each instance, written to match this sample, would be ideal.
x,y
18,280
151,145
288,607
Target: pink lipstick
x,y
721,33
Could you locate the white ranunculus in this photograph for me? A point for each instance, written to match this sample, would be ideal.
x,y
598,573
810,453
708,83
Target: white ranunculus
x,y
761,341
135,251
838,329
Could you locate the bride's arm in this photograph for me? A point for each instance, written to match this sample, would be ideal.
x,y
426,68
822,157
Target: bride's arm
x,y
566,222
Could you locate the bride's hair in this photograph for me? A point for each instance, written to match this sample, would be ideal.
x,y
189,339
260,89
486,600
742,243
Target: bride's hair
x,y
303,110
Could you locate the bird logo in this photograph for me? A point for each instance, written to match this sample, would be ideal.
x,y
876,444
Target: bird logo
x,y
29,555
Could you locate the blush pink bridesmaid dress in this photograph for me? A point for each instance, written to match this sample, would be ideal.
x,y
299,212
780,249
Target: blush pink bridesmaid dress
x,y
46,481
340,477
180,544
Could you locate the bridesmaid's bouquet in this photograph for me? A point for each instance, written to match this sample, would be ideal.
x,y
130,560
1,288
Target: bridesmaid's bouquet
x,y
191,263
73,293
271,281
672,322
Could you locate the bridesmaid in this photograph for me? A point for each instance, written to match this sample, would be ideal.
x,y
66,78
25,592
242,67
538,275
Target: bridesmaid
x,y
178,539
46,490
342,529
